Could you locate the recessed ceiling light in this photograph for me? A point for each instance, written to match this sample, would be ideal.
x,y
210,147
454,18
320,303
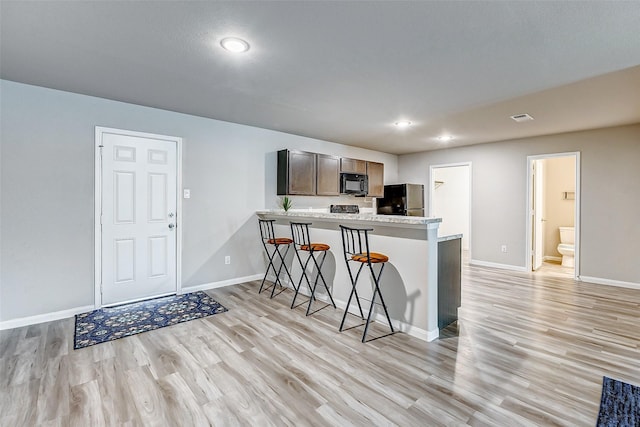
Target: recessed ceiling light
x,y
235,45
445,138
403,123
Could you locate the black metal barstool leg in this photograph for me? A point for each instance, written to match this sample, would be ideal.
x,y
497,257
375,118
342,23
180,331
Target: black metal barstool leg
x,y
277,282
384,306
297,290
263,280
366,325
359,306
356,292
313,290
346,310
268,267
306,264
353,292
282,264
319,267
303,275
315,282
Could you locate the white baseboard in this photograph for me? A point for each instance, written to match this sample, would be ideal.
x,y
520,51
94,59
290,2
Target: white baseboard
x,y
609,282
221,284
41,318
431,335
379,317
406,328
552,258
63,314
398,325
497,265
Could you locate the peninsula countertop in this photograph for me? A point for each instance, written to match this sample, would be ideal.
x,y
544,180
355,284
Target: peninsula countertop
x,y
410,282
395,220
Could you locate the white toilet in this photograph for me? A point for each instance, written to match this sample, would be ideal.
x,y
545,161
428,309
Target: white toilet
x,y
566,246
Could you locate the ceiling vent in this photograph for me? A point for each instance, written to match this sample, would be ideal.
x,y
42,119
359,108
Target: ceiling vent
x,y
522,118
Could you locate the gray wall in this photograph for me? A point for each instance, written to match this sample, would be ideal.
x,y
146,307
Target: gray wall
x,y
610,233
47,193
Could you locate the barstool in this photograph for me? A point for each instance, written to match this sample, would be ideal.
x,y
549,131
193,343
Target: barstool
x,y
355,242
269,239
302,243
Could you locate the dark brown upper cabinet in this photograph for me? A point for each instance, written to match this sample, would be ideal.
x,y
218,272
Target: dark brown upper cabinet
x,y
328,169
353,166
375,172
309,174
296,173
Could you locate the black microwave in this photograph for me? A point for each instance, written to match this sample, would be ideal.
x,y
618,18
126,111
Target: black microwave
x,y
354,183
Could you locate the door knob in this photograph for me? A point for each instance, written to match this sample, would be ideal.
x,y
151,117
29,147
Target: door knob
x,y
172,226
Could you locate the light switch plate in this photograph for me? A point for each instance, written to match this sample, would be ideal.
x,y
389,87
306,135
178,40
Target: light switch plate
x,y
187,193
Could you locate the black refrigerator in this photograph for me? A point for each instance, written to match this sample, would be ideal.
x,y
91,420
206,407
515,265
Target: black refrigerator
x,y
402,199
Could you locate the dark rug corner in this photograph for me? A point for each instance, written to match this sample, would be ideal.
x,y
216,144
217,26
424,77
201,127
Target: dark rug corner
x,y
619,404
112,323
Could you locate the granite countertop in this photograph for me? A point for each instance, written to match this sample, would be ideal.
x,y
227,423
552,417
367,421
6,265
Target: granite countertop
x,y
450,237
362,217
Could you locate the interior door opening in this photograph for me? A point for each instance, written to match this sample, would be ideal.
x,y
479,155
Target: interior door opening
x,y
553,213
450,199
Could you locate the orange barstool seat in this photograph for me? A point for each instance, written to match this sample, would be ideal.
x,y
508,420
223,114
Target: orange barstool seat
x,y
374,257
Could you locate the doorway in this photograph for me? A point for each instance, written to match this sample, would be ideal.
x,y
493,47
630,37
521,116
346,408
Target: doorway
x,y
137,216
450,199
553,203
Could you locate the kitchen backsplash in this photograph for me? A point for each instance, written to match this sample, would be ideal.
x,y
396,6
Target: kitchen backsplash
x,y
322,204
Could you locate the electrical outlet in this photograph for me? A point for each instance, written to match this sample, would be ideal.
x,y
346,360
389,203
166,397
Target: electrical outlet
x,y
503,248
227,260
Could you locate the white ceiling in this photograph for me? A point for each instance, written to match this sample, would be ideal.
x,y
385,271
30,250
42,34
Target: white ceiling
x,y
344,71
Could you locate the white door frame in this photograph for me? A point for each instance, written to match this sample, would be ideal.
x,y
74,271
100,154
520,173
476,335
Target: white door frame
x,y
529,225
537,210
100,131
431,187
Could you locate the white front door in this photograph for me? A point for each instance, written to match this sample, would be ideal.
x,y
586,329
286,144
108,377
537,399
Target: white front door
x,y
139,207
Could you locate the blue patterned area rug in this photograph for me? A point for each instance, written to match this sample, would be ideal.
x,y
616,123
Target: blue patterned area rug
x,y
619,405
108,324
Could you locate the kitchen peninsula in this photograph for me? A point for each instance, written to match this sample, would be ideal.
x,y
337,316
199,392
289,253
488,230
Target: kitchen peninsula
x,y
409,283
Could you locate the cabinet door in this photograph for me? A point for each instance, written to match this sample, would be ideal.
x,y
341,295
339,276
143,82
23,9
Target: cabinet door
x,y
375,171
302,173
328,183
353,166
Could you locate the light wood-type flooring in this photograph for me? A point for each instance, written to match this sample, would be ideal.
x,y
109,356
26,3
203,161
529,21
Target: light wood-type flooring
x,y
530,349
